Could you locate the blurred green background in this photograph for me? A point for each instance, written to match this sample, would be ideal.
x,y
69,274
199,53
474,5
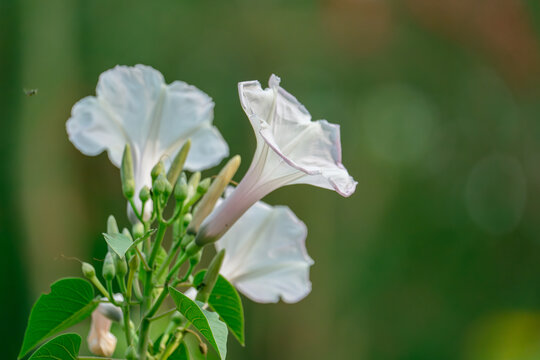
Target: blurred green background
x,y
436,255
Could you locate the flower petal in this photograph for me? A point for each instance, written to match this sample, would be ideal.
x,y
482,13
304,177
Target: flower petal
x,y
134,105
92,130
265,255
281,122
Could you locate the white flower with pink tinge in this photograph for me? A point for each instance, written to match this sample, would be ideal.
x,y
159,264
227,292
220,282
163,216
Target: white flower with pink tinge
x,y
100,339
134,105
291,149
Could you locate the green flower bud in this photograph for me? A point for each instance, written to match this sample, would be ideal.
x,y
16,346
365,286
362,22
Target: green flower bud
x,y
112,226
187,219
193,183
144,194
126,173
131,353
88,270
207,203
203,186
158,169
181,190
210,277
138,230
168,189
160,185
127,233
178,163
134,263
120,266
109,269
186,240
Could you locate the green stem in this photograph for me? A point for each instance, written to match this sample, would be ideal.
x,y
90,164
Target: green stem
x,y
129,288
166,313
157,244
110,291
145,323
141,257
172,254
135,211
127,330
99,286
173,345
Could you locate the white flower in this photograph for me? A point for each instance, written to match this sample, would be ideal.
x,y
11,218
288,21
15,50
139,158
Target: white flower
x,y
265,255
100,340
134,105
291,149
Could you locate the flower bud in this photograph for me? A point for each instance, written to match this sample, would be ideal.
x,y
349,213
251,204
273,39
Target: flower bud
x,y
126,232
144,194
187,219
126,173
207,203
112,226
181,190
138,230
88,270
101,341
131,353
109,270
210,277
120,266
168,189
193,183
111,311
158,169
134,263
186,240
160,185
178,163
203,186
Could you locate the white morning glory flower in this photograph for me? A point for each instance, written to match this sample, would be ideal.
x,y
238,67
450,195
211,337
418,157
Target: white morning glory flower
x,y
134,105
291,149
265,255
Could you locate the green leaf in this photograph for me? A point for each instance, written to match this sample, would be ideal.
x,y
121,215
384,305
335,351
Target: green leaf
x,y
208,323
69,302
119,243
227,303
63,347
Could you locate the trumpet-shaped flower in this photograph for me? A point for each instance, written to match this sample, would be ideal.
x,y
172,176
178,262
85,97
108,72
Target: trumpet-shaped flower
x,y
134,105
265,255
291,149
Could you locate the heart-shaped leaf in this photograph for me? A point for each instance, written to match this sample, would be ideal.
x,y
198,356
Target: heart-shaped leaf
x,y
121,243
64,347
207,322
225,300
69,302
